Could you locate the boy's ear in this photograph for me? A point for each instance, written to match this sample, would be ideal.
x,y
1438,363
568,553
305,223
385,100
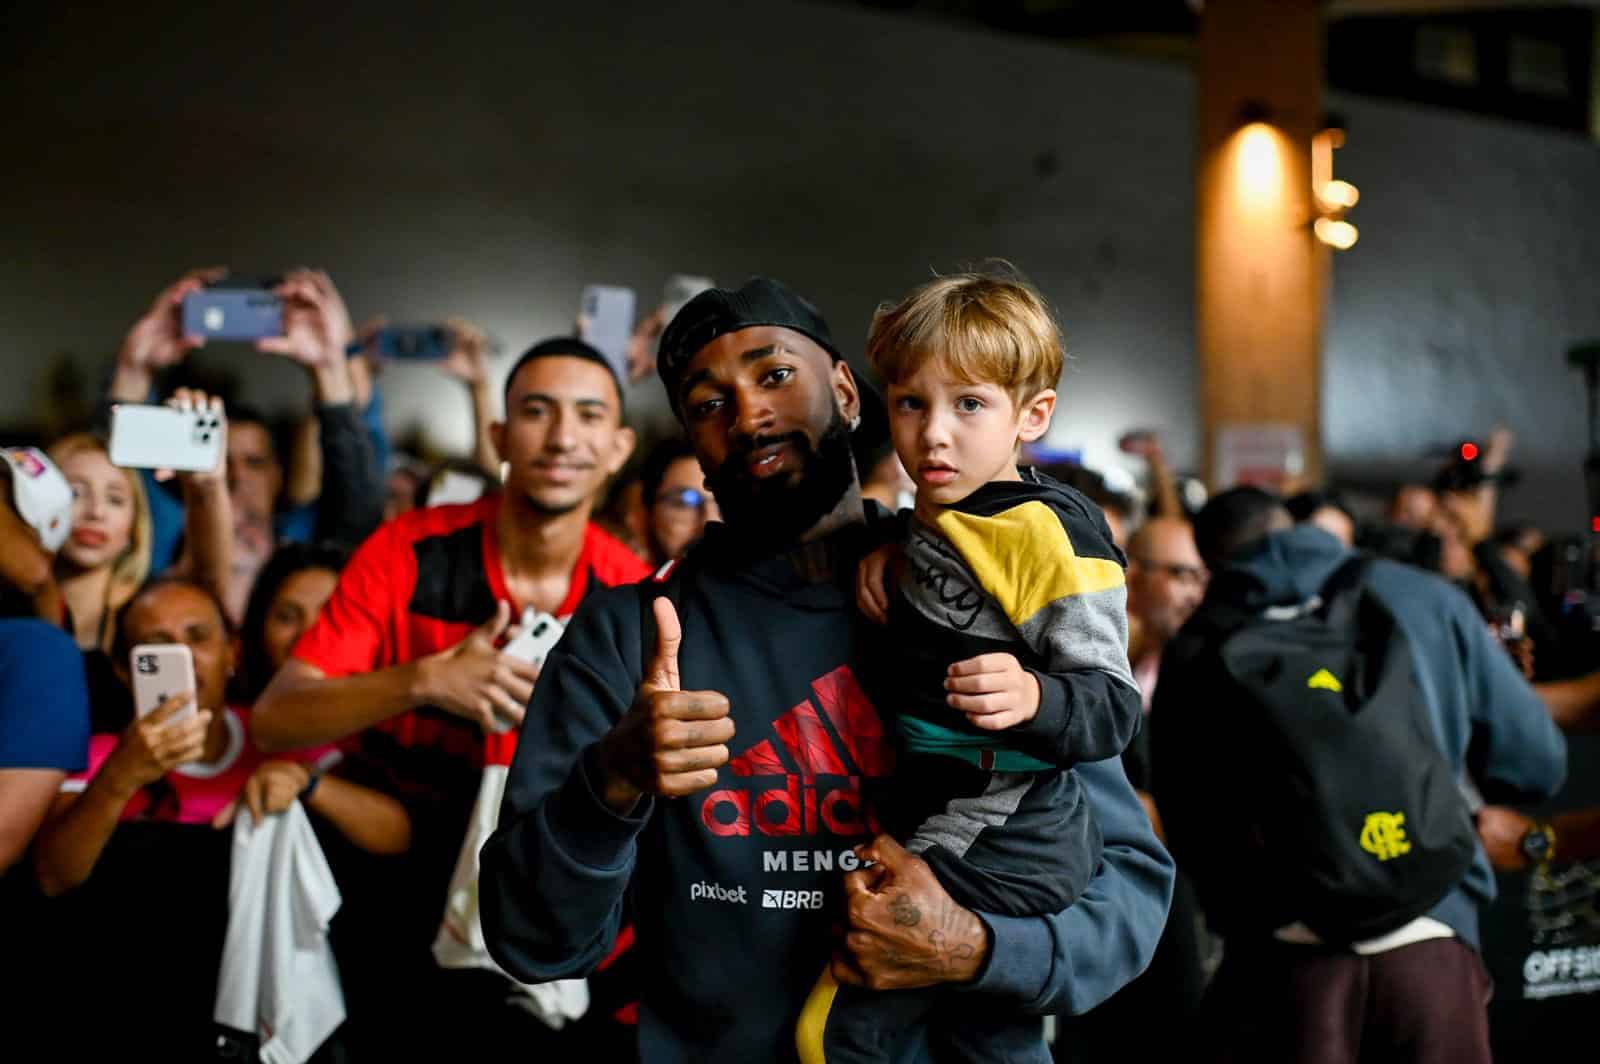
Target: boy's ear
x,y
1036,413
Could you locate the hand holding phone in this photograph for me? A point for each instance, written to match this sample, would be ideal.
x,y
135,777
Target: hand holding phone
x,y
157,339
163,437
160,670
153,745
415,343
538,635
605,322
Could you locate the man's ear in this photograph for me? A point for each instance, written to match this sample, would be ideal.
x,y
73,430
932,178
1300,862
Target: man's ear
x,y
1036,414
497,436
845,391
622,447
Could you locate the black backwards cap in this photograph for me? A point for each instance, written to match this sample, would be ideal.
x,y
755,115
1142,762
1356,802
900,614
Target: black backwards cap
x,y
566,347
718,311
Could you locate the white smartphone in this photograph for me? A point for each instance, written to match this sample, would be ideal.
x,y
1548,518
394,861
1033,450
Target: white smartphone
x,y
159,670
160,437
450,488
605,322
679,289
540,633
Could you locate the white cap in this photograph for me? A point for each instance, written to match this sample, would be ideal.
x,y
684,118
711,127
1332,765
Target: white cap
x,y
40,493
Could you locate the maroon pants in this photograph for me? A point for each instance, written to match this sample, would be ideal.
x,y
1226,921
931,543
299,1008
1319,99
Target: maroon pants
x,y
1420,1004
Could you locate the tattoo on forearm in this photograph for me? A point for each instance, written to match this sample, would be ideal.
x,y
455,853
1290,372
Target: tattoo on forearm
x,y
905,912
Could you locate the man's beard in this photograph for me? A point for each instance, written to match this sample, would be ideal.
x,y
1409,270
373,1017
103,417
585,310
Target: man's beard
x,y
776,512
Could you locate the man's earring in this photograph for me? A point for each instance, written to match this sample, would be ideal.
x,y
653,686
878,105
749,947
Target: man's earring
x,y
855,422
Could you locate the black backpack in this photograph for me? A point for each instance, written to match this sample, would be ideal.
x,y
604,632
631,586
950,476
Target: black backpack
x,y
1360,822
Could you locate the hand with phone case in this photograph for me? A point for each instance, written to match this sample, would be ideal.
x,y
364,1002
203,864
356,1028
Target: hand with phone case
x,y
156,340
531,642
474,680
605,322
188,434
467,352
166,438
316,332
170,734
468,362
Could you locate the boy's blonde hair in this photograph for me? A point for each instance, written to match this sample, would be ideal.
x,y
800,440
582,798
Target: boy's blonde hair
x,y
985,328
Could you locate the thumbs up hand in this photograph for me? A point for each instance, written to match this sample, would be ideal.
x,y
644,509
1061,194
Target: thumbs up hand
x,y
670,742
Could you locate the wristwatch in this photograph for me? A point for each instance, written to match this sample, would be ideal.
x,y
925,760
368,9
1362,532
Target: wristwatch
x,y
1539,843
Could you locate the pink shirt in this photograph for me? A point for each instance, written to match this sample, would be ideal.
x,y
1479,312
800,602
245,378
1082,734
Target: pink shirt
x,y
1145,674
202,790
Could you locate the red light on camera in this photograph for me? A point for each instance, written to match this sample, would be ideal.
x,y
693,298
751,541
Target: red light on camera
x,y
1595,526
1469,452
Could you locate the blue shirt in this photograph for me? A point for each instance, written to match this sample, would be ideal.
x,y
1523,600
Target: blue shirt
x,y
44,699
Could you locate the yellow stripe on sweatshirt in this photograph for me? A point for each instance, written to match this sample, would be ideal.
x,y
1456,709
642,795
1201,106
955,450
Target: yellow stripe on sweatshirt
x,y
1003,552
812,1026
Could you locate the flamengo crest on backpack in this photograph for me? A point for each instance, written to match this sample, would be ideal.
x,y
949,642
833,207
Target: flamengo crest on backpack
x,y
1360,820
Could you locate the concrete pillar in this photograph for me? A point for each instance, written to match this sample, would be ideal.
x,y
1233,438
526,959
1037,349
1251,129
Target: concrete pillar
x,y
1261,276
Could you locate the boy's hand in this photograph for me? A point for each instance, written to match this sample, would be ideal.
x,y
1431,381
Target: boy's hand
x,y
993,690
872,594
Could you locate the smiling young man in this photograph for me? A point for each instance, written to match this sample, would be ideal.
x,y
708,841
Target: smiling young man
x,y
404,654
709,753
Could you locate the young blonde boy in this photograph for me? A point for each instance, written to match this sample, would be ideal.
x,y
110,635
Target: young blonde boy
x,y
1006,609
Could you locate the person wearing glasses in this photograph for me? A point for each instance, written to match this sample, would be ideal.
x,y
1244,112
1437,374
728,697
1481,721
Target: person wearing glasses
x,y
1166,580
676,501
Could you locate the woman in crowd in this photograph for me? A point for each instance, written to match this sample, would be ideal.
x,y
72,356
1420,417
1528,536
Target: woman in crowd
x,y
107,556
677,505
133,853
288,594
195,769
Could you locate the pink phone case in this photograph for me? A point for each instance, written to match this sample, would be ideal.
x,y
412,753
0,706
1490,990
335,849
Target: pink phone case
x,y
159,670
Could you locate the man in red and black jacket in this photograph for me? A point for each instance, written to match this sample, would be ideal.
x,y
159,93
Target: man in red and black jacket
x,y
403,663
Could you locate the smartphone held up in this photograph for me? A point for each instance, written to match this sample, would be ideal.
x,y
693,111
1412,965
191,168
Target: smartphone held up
x,y
160,670
163,437
605,322
412,343
233,311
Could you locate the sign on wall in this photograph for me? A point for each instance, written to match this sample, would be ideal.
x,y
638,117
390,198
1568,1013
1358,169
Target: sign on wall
x,y
1260,455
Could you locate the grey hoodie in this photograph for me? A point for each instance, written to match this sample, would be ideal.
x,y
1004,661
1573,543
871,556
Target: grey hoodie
x,y
1488,720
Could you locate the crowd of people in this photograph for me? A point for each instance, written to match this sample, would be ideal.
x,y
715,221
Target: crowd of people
x,y
849,704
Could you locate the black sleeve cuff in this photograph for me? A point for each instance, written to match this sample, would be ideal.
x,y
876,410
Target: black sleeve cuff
x,y
1049,724
585,827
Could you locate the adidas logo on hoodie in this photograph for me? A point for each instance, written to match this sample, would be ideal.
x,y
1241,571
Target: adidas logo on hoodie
x,y
814,784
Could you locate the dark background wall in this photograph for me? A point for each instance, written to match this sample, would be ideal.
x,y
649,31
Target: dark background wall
x,y
489,163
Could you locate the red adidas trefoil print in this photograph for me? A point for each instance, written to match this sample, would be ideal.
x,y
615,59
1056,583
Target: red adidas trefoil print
x,y
821,757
